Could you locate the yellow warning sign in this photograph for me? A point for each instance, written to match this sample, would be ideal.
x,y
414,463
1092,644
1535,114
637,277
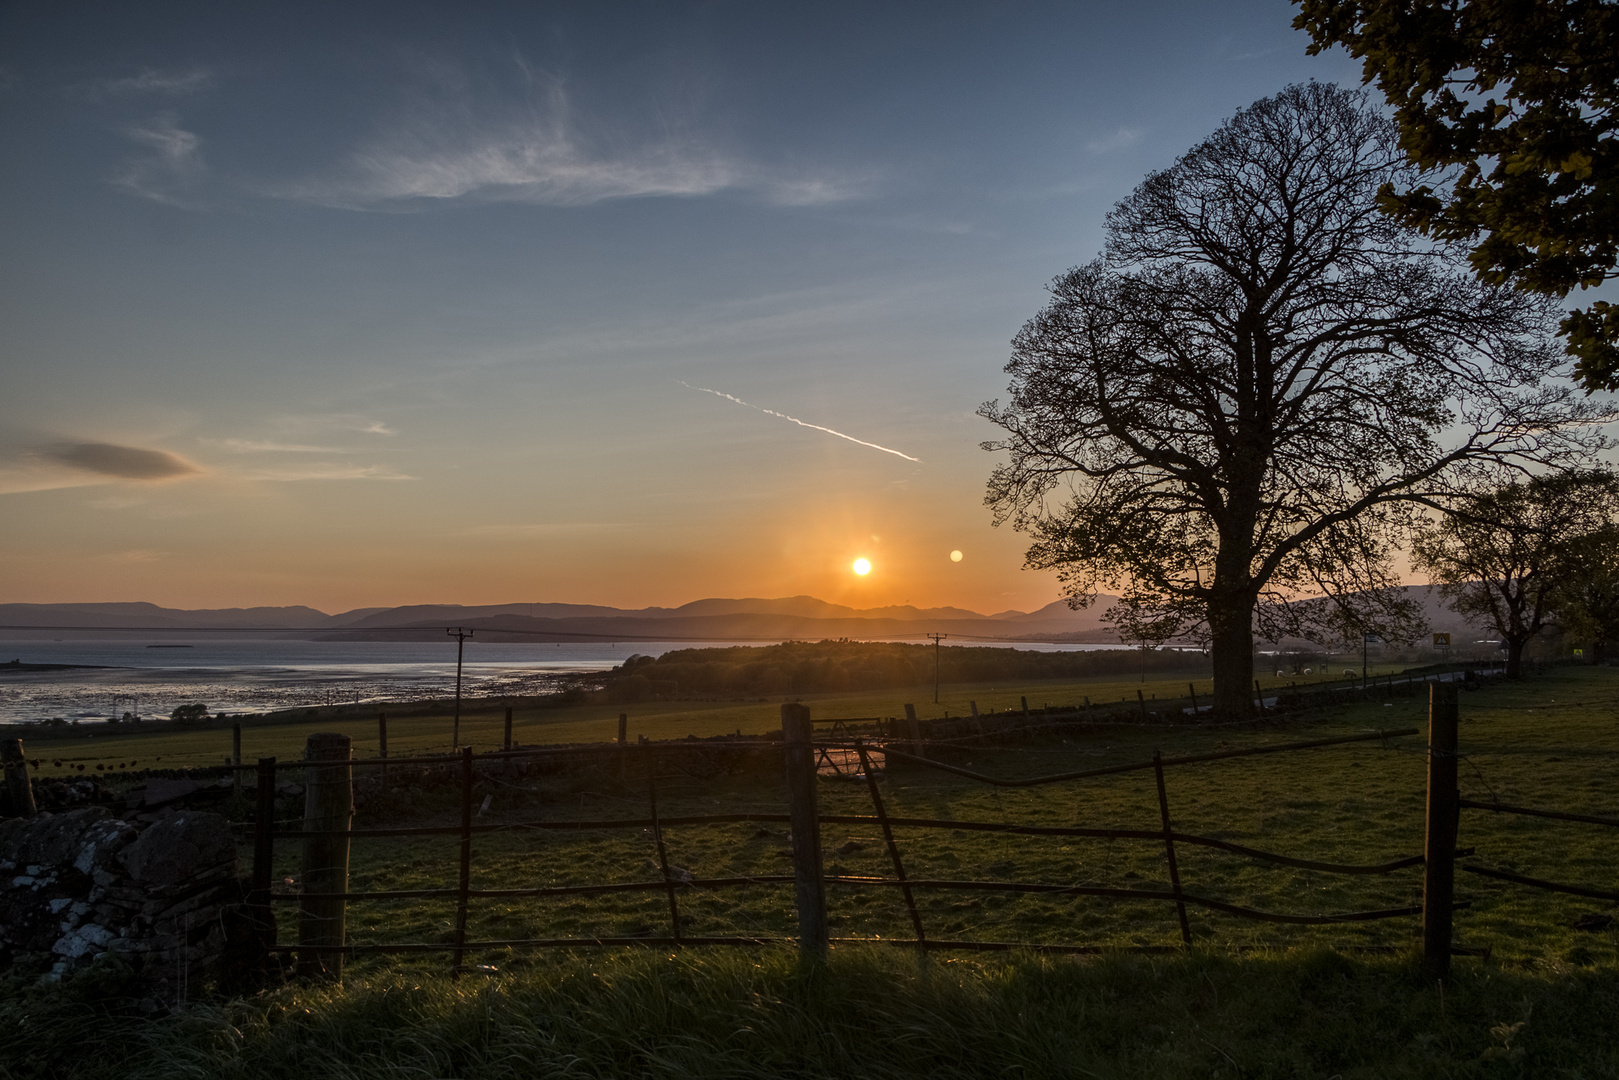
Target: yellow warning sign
x,y
1441,640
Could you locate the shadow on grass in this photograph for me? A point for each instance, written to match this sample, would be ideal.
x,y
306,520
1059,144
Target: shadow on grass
x,y
869,1013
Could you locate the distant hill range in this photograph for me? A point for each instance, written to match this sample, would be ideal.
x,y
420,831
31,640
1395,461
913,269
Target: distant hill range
x,y
795,617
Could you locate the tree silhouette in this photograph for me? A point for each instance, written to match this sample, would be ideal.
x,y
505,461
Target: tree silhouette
x,y
1505,554
1240,401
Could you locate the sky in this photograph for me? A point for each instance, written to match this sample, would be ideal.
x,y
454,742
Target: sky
x,y
370,304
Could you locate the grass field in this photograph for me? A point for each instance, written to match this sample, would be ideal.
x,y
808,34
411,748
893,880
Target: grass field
x,y
1249,999
426,727
1552,742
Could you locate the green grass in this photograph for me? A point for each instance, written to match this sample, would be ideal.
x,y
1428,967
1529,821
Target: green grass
x,y
1249,1000
426,727
1355,804
869,1013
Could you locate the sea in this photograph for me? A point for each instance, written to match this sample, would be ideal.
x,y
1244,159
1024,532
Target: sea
x,y
150,679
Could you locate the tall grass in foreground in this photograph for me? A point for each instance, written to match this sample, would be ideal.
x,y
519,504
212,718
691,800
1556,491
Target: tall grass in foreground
x,y
870,1013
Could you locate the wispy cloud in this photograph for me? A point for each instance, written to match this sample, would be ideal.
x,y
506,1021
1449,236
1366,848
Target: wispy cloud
x,y
1120,139
171,168
151,81
452,150
327,471
540,528
266,446
355,422
800,423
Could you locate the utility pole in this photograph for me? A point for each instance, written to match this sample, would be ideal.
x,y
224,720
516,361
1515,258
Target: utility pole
x,y
936,639
460,634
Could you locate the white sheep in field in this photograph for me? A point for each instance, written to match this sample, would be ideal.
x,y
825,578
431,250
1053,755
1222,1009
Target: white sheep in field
x,y
1349,673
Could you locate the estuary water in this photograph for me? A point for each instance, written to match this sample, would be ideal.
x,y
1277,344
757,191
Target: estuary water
x,y
150,679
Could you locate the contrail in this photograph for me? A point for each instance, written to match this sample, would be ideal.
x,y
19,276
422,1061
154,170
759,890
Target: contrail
x,y
796,420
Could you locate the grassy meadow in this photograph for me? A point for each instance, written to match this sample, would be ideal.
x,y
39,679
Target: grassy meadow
x,y
425,727
1249,999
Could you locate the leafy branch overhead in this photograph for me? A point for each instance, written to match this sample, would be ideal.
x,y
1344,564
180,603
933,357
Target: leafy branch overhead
x,y
1510,109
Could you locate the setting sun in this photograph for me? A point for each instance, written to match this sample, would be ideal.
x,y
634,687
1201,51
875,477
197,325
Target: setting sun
x,y
862,567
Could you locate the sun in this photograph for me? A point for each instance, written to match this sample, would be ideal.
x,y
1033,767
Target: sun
x,y
862,567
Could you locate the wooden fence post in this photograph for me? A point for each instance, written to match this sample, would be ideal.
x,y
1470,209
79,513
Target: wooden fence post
x,y
809,884
1192,690
236,758
19,790
506,743
382,743
1142,701
1439,849
623,741
465,880
914,726
260,910
328,812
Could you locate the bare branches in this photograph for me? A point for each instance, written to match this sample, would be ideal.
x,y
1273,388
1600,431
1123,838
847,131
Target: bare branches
x,y
1234,400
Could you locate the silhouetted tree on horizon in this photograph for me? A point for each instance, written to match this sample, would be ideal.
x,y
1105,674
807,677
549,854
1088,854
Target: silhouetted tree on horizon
x,y
1507,554
1243,400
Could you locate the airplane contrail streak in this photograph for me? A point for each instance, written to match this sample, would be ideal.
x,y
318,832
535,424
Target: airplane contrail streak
x,y
796,420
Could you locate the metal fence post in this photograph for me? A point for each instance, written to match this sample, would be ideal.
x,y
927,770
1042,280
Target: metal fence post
x,y
1439,849
328,812
809,884
1169,846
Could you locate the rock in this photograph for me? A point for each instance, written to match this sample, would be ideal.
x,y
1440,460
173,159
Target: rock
x,y
100,843
174,849
160,792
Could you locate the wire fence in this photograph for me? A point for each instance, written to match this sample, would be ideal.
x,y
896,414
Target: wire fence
x,y
857,747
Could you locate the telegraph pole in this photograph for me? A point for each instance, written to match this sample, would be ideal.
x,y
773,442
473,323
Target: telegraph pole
x,y
460,634
936,639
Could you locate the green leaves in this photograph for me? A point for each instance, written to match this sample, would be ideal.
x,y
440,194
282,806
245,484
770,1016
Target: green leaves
x,y
1531,173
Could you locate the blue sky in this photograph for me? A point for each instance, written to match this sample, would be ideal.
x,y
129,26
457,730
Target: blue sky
x,y
409,303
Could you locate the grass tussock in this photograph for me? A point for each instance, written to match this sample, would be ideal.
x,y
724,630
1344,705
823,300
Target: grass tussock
x,y
870,1013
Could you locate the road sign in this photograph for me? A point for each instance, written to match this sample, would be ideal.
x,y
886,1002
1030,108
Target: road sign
x,y
1441,641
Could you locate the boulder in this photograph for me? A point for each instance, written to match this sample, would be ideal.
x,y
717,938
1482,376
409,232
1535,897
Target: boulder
x,y
180,848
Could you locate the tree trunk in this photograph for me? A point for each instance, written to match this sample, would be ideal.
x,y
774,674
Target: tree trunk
x,y
1515,656
1232,648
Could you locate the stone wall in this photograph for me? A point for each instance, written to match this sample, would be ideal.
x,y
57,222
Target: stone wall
x,y
82,885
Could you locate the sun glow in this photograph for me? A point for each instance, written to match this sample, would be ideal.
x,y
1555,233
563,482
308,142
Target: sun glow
x,y
862,567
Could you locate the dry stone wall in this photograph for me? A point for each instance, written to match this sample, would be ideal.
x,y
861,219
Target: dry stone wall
x,y
79,886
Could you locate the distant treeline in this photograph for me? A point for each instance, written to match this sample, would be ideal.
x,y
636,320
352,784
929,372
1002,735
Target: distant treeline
x,y
828,666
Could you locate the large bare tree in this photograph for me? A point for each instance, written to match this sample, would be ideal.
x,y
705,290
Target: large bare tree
x,y
1240,401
